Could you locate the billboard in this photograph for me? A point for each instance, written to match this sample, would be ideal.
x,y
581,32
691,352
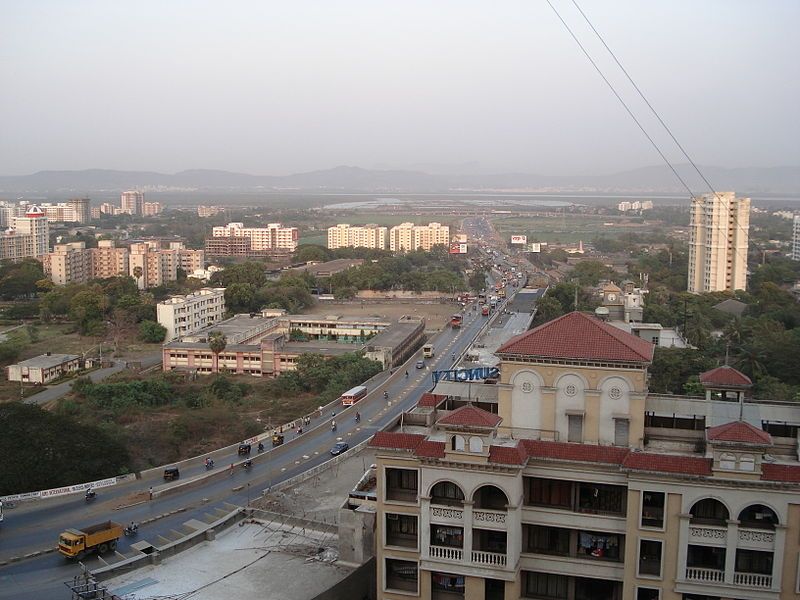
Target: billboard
x,y
519,239
458,248
461,238
534,247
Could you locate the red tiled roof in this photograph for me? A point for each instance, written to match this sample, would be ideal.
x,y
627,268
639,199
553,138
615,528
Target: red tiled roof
x,y
432,400
575,452
470,416
725,375
430,449
579,336
667,463
396,441
508,455
739,432
785,473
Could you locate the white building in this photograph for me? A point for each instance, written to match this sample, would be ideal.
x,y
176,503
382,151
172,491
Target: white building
x,y
44,368
408,237
719,227
132,202
272,237
345,235
28,236
796,238
185,315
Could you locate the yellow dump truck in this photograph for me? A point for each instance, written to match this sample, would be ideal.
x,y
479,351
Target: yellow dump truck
x,y
74,543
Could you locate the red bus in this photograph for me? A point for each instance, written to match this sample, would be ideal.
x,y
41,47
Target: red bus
x,y
350,397
455,320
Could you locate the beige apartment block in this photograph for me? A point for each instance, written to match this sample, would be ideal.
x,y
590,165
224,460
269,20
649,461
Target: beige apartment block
x,y
345,235
408,237
108,260
577,484
68,263
132,202
151,266
718,233
184,315
272,237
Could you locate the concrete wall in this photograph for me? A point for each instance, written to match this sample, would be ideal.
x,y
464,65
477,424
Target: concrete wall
x,y
359,585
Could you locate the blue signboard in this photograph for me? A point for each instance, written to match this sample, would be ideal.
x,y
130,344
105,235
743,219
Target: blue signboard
x,y
476,374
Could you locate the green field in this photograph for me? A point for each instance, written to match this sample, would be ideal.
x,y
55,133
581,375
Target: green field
x,y
567,229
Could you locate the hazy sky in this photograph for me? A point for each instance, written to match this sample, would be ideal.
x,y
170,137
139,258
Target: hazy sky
x,y
273,87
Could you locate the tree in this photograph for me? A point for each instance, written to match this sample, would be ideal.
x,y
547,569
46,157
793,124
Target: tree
x,y
137,274
311,252
151,332
477,281
217,342
87,308
247,272
547,309
19,279
240,298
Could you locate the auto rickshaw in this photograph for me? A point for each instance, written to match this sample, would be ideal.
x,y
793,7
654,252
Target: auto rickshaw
x,y
244,449
171,473
277,439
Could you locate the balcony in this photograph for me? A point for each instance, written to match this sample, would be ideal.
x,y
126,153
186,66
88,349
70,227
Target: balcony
x,y
494,519
756,539
489,559
752,580
705,575
708,535
446,553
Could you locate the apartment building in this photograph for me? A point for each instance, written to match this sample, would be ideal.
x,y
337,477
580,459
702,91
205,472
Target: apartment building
x,y
796,238
718,234
68,263
208,211
28,236
274,236
345,235
408,237
184,315
152,209
576,484
151,266
109,261
188,260
107,208
132,202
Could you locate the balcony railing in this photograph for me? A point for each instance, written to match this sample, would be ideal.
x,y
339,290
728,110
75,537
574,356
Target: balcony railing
x,y
446,513
708,535
489,517
757,539
705,575
493,559
446,553
753,580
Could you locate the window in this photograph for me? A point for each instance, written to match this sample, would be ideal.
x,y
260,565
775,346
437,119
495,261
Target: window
x,y
457,443
599,498
401,530
489,497
621,427
747,463
401,485
648,593
545,585
446,582
486,540
451,537
592,544
448,493
475,444
653,509
547,540
650,558
548,492
727,461
705,557
754,561
597,589
709,511
401,575
758,516
575,428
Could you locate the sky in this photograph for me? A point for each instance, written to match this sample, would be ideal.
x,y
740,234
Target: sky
x,y
275,87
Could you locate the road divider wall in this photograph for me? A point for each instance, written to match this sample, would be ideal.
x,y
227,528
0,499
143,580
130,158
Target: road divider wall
x,y
68,489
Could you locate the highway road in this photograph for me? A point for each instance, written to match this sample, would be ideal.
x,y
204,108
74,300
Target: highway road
x,y
35,525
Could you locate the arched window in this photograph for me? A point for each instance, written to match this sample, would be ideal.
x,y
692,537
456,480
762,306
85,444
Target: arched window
x,y
727,461
475,444
747,463
457,443
758,516
709,511
490,497
448,493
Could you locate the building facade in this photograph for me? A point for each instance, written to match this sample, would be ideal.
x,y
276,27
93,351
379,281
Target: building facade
x,y
152,209
68,263
579,485
274,237
151,266
132,202
108,260
408,237
184,315
44,368
718,234
796,238
28,237
344,235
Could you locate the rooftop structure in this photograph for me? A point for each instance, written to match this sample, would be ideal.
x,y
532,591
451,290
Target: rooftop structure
x,y
44,368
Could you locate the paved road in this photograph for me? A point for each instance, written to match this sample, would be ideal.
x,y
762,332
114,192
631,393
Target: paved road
x,y
61,389
36,525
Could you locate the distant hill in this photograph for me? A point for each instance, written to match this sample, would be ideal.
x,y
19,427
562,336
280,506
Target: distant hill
x,y
655,179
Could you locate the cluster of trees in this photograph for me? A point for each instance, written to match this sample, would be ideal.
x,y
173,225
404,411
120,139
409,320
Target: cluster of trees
x,y
66,451
247,289
20,280
111,308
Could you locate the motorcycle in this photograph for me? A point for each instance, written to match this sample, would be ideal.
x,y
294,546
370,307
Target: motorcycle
x,y
260,447
386,395
90,495
247,464
333,426
131,530
209,465
358,417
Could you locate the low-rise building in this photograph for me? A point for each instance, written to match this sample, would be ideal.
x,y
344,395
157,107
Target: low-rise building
x,y
184,315
576,483
44,368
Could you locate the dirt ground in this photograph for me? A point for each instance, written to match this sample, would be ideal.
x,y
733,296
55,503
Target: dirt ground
x,y
436,314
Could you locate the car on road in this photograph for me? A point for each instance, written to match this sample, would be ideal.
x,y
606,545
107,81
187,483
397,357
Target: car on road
x,y
171,473
339,448
420,364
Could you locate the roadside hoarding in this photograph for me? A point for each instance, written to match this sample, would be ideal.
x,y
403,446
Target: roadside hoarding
x,y
534,247
519,239
458,248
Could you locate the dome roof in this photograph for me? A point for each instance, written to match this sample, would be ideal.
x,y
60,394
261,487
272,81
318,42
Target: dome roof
x,y
34,211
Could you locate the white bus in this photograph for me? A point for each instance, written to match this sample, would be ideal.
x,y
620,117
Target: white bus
x,y
427,351
350,397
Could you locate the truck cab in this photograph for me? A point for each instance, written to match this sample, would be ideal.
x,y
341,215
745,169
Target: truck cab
x,y
102,537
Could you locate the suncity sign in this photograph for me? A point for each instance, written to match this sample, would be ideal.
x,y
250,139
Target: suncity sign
x,y
479,373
